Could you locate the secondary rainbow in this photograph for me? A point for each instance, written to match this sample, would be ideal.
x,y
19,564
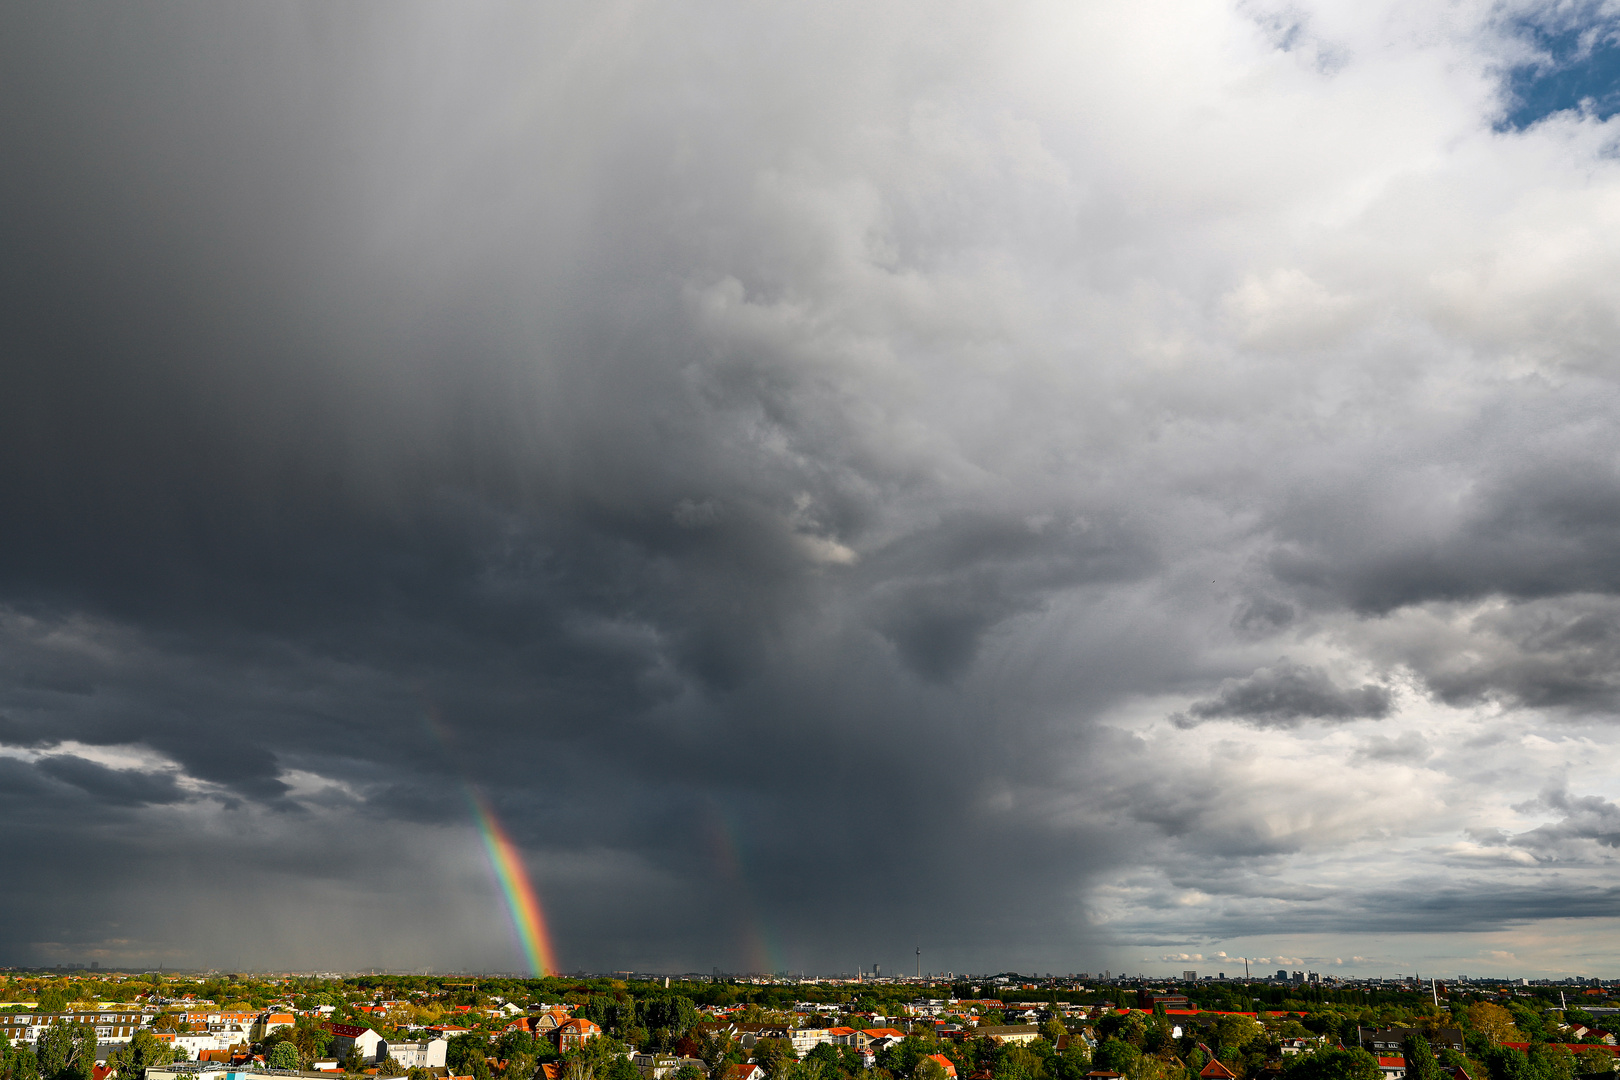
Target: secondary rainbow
x,y
527,917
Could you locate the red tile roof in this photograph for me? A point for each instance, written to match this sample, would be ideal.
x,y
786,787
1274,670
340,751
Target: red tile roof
x,y
580,1024
1216,1071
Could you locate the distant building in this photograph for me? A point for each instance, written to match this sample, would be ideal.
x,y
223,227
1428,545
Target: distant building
x,y
877,1037
1148,1000
658,1066
1379,1041
1010,1033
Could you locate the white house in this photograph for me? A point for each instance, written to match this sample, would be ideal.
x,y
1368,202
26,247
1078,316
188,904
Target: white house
x,y
416,1055
195,1042
346,1037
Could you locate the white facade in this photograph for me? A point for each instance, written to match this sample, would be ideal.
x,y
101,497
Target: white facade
x,y
367,1041
111,1027
195,1042
417,1055
806,1039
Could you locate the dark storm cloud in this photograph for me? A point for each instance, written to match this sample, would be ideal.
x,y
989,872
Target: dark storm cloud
x,y
271,501
1418,905
941,588
1285,694
1556,653
1585,818
1523,529
755,474
120,787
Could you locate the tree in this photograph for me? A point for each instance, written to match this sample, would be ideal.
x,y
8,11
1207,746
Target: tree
x,y
17,1063
1453,1059
66,1052
773,1054
1235,1032
1506,1063
1594,1061
312,1042
1531,1022
1553,1062
1420,1063
716,1049
900,1059
1072,1064
1492,1021
54,1000
283,1055
824,1061
1116,1055
145,1051
1334,1065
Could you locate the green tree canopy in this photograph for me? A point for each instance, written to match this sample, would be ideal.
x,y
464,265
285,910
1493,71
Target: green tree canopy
x,y
143,1052
66,1052
1594,1061
1334,1064
1116,1055
1420,1063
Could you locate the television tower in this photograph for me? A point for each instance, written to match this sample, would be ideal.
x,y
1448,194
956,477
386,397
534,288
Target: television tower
x,y
919,960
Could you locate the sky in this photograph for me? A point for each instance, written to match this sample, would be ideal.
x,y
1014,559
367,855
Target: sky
x,y
1056,485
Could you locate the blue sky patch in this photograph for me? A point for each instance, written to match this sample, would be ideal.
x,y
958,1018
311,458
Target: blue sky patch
x,y
1579,64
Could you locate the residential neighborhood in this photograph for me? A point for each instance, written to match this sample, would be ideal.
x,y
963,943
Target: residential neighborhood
x,y
160,1026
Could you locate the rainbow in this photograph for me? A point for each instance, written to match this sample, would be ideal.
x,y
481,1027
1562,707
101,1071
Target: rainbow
x,y
521,899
